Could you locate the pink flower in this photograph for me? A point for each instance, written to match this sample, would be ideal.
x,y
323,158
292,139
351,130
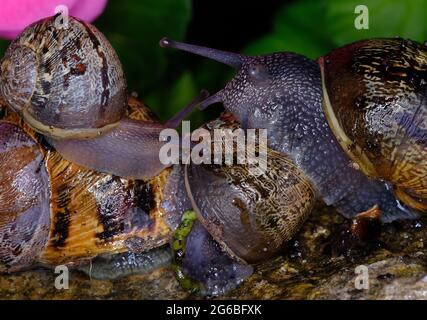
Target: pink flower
x,y
15,15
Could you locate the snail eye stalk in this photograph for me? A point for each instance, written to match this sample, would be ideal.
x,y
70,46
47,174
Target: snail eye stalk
x,y
231,59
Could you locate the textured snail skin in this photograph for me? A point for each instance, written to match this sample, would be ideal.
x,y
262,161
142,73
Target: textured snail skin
x,y
125,162
61,213
114,266
282,92
289,106
209,265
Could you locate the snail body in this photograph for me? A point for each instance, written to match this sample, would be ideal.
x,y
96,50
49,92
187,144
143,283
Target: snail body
x,y
68,84
57,212
359,152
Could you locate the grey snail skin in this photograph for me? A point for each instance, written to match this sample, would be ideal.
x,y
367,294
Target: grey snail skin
x,y
354,121
68,84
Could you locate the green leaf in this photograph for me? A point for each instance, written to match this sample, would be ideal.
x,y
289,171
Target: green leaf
x,y
297,28
313,28
135,28
387,18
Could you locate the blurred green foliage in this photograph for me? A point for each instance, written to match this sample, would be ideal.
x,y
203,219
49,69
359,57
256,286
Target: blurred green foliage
x,y
314,27
309,27
135,28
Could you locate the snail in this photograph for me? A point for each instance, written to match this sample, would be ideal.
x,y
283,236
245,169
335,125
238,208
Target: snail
x,y
68,84
53,211
242,218
354,121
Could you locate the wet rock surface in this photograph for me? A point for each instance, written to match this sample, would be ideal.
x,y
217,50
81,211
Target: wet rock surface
x,y
319,263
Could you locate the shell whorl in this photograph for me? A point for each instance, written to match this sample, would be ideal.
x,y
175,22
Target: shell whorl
x,y
74,81
375,100
24,199
251,216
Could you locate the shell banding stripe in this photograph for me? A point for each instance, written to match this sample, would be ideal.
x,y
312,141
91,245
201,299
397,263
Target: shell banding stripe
x,y
395,63
48,57
102,216
104,68
61,221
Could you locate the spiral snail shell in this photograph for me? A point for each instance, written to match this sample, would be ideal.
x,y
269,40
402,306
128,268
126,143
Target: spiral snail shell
x,y
242,218
381,87
66,83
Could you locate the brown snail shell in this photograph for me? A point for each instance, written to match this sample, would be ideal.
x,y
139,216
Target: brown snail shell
x,y
250,216
81,213
375,100
24,198
64,82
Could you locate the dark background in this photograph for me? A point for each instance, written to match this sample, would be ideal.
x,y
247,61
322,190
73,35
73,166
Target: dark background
x,y
231,24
